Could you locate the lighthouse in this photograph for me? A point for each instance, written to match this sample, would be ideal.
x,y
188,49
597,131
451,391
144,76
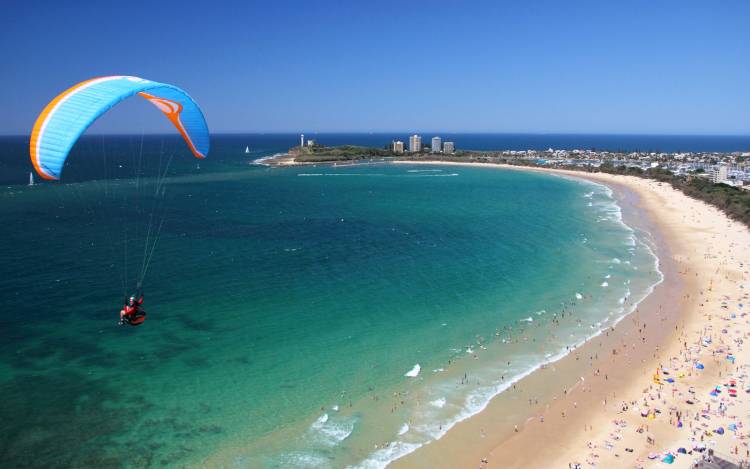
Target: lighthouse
x,y
302,140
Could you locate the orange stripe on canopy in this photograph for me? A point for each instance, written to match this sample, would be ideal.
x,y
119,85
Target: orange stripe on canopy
x,y
40,121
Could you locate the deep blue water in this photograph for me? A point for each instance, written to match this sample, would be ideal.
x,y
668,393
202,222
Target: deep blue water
x,y
14,167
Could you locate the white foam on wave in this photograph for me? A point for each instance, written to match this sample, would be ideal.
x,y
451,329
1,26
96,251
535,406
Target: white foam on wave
x,y
436,175
529,319
605,284
310,174
404,428
384,456
616,260
579,296
331,432
263,161
414,372
439,403
425,171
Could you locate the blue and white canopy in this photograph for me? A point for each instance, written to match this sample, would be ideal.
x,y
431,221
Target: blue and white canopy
x,y
68,115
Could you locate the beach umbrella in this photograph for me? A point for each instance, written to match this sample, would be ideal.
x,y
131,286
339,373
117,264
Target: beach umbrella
x,y
699,366
682,450
670,380
720,430
669,459
732,427
652,455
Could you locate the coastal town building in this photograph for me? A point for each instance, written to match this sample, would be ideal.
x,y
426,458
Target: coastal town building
x,y
719,173
398,146
448,148
310,143
436,145
302,140
415,143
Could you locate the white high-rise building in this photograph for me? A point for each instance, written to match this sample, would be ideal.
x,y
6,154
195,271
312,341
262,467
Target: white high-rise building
x,y
415,143
398,146
435,147
719,173
302,140
448,148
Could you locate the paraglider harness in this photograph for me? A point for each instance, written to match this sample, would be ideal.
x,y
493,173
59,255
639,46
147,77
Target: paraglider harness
x,y
137,315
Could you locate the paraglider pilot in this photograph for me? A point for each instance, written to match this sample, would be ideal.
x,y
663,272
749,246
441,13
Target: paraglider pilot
x,y
132,313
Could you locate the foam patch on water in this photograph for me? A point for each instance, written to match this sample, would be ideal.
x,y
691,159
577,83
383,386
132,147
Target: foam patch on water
x,y
264,161
331,432
439,403
414,372
384,456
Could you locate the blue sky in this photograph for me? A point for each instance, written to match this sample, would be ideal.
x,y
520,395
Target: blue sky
x,y
499,66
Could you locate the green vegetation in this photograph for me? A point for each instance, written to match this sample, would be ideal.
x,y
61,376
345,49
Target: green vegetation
x,y
320,153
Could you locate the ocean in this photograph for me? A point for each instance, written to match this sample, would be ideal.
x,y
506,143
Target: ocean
x,y
312,316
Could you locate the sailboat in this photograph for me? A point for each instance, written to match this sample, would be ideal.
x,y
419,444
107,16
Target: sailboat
x,y
247,149
31,179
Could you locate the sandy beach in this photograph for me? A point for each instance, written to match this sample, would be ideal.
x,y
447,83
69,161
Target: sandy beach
x,y
665,386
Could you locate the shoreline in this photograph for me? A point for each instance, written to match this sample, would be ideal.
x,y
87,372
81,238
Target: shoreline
x,y
482,438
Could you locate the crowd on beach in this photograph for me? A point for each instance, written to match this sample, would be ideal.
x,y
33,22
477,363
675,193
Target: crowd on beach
x,y
696,405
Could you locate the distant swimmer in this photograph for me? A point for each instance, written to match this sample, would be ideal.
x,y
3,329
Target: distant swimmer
x,y
132,313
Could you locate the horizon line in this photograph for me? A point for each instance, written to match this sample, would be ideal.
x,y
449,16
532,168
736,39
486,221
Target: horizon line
x,y
401,132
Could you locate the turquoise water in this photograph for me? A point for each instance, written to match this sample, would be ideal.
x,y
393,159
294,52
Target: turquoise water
x,y
287,305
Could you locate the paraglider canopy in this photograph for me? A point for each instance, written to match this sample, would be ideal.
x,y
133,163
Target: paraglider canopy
x,y
67,116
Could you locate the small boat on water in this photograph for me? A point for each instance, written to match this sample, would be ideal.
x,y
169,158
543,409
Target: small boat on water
x,y
247,149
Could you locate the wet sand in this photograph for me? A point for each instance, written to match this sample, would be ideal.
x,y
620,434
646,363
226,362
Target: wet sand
x,y
564,414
